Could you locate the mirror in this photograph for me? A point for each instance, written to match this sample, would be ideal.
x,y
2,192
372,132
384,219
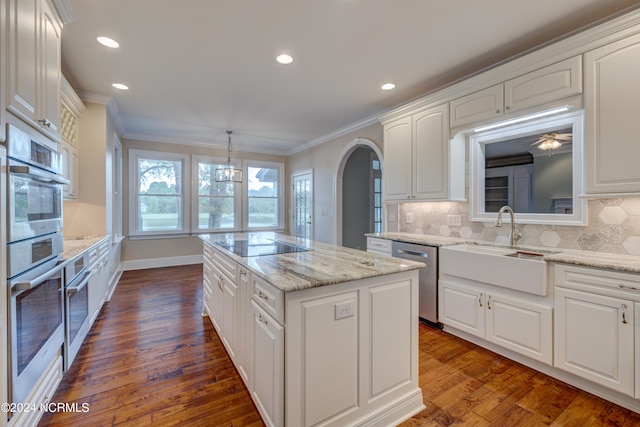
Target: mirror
x,y
535,167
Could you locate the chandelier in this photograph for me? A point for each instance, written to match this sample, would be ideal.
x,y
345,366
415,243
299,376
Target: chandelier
x,y
228,173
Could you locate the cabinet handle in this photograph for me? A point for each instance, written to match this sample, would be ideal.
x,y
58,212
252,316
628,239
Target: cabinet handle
x,y
480,300
44,122
489,302
263,296
220,280
243,273
631,288
624,314
263,320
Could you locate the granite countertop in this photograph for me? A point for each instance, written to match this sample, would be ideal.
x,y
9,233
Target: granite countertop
x,y
323,264
74,246
617,262
421,239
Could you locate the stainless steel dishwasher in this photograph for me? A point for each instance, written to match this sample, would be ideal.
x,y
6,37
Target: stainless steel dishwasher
x,y
428,277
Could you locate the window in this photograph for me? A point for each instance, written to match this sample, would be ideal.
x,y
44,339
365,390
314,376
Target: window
x,y
376,194
159,190
265,200
216,203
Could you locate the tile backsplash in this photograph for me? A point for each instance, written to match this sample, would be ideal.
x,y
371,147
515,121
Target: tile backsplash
x,y
613,226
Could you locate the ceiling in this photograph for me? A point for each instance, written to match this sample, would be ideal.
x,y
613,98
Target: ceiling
x,y
197,68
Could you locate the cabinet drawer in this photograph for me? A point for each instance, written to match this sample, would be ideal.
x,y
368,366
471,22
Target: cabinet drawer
x,y
381,246
623,285
208,252
225,264
268,297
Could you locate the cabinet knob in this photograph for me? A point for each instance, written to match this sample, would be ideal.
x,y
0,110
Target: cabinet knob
x,y
507,107
498,111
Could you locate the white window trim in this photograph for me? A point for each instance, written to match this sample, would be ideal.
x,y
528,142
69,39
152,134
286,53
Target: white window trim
x,y
134,155
281,194
238,201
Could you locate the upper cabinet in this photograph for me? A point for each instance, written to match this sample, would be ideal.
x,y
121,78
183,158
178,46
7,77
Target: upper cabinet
x,y
33,76
537,88
417,156
70,109
612,126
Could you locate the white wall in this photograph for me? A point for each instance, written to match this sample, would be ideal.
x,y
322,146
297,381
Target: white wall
x,y
324,159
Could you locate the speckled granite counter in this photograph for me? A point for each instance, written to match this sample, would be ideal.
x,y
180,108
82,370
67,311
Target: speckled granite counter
x,y
421,239
75,246
617,262
323,264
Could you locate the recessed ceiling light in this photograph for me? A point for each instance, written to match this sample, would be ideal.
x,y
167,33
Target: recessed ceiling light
x,y
284,59
108,42
387,86
120,86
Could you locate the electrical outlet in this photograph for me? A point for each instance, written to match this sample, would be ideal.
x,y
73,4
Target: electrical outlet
x,y
455,220
408,218
345,309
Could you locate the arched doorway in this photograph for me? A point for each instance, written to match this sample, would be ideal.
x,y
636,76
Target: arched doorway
x,y
358,193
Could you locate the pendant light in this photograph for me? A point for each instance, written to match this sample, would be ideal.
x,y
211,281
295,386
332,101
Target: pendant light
x,y
228,173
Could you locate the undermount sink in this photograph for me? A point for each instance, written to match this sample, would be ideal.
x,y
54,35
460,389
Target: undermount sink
x,y
520,270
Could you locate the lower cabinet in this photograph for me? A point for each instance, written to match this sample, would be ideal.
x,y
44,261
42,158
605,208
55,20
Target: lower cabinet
x,y
595,338
513,323
267,346
99,282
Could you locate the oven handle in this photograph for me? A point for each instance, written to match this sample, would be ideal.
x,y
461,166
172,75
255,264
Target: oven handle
x,y
25,286
38,175
75,289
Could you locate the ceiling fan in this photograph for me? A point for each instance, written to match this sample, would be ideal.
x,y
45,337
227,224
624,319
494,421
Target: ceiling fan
x,y
553,140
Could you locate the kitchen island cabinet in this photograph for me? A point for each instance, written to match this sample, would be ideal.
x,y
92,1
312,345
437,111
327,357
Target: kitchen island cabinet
x,y
345,322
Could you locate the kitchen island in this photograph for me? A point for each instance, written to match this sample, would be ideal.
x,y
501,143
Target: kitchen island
x,y
320,334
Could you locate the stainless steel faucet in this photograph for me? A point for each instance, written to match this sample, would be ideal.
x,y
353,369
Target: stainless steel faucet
x,y
513,235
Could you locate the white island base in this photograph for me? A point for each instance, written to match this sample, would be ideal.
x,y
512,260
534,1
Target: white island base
x,y
351,353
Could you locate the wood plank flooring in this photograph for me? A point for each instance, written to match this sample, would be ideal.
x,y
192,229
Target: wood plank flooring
x,y
152,359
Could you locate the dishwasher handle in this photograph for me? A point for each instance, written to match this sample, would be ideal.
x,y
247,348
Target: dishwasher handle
x,y
411,253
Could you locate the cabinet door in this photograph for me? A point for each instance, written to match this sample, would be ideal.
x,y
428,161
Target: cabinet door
x,y
594,338
397,162
462,307
216,314
548,84
243,330
268,366
431,153
70,164
478,106
49,90
22,35
637,353
229,313
520,326
612,125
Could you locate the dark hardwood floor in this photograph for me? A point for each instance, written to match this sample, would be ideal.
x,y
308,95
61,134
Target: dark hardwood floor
x,y
152,359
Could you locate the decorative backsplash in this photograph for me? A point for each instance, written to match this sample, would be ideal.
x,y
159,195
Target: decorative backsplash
x,y
613,227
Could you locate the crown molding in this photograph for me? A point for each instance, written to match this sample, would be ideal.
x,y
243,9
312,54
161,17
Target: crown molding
x,y
70,97
64,10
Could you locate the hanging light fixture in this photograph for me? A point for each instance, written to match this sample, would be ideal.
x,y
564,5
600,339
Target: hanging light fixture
x,y
228,173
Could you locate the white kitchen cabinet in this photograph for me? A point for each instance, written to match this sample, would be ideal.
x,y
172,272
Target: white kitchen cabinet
x,y
217,298
637,349
595,325
611,120
514,323
537,88
33,82
243,356
229,316
3,85
268,366
99,283
379,246
417,156
557,81
478,107
594,338
70,109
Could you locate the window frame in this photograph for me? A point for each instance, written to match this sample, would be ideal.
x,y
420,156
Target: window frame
x,y
185,193
281,194
195,208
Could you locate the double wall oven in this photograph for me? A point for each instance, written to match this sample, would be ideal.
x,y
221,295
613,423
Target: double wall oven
x,y
34,244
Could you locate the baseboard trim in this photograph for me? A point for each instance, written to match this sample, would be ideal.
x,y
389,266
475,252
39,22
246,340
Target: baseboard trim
x,y
142,264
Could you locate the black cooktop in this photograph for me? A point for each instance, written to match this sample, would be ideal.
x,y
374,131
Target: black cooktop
x,y
245,248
